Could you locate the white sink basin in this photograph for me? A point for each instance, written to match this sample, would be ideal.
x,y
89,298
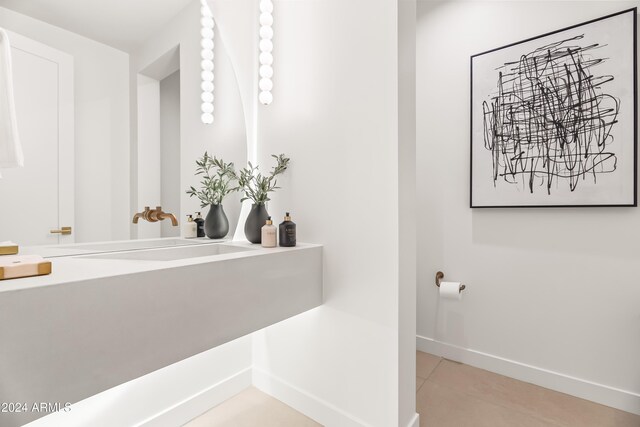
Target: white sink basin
x,y
171,254
130,245
55,251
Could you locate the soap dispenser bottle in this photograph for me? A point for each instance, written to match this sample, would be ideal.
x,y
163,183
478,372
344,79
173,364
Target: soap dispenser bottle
x,y
199,224
190,228
269,234
287,232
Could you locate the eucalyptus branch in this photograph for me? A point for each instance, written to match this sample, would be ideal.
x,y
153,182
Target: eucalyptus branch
x,y
216,179
256,187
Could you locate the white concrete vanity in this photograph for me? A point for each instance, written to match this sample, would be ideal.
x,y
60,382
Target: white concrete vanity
x,y
102,319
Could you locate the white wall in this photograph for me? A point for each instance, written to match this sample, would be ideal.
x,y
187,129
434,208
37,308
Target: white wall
x,y
158,149
170,187
549,289
335,114
407,210
149,155
101,127
236,23
226,137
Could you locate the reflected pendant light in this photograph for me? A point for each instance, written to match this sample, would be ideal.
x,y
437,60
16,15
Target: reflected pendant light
x,y
206,31
266,52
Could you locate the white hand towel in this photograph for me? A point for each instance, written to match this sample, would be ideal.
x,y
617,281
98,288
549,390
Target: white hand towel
x,y
10,149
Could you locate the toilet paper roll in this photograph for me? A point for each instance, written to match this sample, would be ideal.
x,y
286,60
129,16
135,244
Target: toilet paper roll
x,y
450,290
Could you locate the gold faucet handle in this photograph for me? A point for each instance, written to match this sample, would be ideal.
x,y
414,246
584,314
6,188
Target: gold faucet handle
x,y
63,230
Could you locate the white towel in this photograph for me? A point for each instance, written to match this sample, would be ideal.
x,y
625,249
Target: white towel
x,y
10,149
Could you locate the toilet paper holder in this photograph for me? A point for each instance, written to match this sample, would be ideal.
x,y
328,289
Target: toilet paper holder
x,y
440,276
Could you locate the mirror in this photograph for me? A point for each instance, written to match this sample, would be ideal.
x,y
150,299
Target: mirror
x,y
108,105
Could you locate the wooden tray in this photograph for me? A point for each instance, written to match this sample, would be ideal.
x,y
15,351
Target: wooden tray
x,y
15,267
8,250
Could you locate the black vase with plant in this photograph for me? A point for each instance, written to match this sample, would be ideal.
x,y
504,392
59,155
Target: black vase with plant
x,y
255,220
256,187
214,186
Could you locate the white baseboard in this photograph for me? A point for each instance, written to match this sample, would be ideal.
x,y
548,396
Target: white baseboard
x,y
600,393
309,405
313,407
201,402
415,421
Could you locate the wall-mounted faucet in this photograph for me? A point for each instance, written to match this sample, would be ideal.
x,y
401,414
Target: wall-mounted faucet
x,y
155,215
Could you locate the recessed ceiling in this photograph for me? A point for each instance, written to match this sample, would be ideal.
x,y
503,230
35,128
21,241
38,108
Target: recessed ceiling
x,y
123,24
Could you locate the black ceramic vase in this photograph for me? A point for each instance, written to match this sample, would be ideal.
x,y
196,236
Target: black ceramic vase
x,y
216,224
256,219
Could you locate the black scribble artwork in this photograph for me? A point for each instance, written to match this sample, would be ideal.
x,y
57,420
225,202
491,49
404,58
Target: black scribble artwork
x,y
549,123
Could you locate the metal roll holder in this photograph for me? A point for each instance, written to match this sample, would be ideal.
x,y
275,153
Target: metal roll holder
x,y
440,276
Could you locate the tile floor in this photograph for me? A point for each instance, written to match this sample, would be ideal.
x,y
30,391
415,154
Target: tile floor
x,y
449,394
252,408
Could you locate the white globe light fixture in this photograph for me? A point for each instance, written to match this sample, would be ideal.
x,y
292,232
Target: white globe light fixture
x,y
265,82
266,71
207,25
266,97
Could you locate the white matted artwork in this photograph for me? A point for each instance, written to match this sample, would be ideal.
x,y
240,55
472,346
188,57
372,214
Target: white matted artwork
x,y
553,118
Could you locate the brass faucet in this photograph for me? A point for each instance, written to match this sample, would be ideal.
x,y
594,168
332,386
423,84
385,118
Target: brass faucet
x,y
155,215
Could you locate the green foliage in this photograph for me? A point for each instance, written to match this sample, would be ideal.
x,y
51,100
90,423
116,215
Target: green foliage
x,y
216,180
256,187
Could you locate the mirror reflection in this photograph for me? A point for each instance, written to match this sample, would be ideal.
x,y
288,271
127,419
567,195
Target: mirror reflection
x,y
108,100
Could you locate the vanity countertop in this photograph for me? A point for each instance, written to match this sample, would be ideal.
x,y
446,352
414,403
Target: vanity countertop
x,y
95,323
87,266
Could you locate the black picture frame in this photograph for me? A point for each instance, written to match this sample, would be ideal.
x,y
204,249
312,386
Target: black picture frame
x,y
523,112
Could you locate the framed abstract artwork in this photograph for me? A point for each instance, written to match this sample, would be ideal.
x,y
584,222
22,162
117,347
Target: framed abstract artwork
x,y
554,118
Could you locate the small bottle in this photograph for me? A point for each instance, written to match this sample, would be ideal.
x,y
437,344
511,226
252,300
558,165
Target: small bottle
x,y
269,234
190,228
287,232
199,225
